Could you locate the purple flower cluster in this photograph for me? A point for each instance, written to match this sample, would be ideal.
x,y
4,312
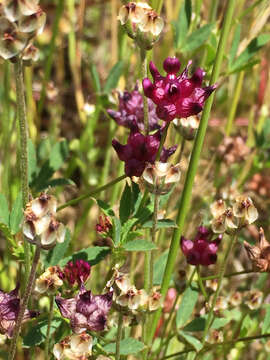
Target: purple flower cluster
x,y
140,150
176,96
9,310
86,311
77,272
201,251
130,109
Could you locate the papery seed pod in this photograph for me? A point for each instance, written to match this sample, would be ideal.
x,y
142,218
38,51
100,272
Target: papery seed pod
x,y
159,178
15,9
33,24
12,41
235,298
221,303
154,300
212,284
214,337
253,299
218,208
30,54
132,298
244,208
74,347
49,281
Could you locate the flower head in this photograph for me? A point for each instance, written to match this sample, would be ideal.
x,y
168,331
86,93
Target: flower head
x,y
104,226
260,254
130,109
140,150
176,96
9,310
201,251
77,272
74,347
86,311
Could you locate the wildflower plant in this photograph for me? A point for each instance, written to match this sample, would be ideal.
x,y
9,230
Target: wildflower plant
x,y
134,175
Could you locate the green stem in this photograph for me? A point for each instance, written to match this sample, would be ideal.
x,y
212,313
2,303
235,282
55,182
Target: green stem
x,y
162,140
23,306
153,236
119,336
229,275
21,113
201,283
91,193
192,169
157,5
220,278
235,101
47,342
49,61
145,102
147,266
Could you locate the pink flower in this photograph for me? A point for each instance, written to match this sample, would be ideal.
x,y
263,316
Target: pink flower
x,y
131,109
77,272
9,310
201,251
176,96
86,311
140,150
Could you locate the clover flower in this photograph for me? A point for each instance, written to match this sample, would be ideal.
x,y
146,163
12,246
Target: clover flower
x,y
74,347
77,272
140,150
22,20
201,251
9,310
86,311
160,177
130,109
49,281
176,96
40,226
260,254
104,226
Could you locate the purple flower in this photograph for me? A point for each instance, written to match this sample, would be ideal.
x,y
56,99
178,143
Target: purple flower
x,y
201,251
130,109
9,310
176,96
140,150
86,311
77,272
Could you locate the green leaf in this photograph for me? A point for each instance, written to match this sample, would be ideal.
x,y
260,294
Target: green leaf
x,y
59,182
161,224
235,44
37,334
191,340
127,228
197,38
253,47
32,161
266,321
159,268
58,155
114,76
16,215
116,230
4,212
106,208
187,305
127,346
93,255
95,77
198,324
126,204
181,26
58,252
139,245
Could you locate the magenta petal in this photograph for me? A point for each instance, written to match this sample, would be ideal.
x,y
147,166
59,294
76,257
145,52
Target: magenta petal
x,y
186,245
171,65
154,71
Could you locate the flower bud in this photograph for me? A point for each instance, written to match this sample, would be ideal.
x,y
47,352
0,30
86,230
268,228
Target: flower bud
x,y
160,177
188,126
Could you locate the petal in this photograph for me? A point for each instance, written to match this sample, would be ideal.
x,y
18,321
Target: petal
x,y
154,71
251,214
186,245
67,307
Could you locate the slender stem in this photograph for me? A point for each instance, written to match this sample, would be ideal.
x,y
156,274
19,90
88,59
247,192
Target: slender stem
x,y
21,111
147,272
201,283
91,193
234,103
157,5
162,141
119,336
229,275
192,169
24,303
230,342
220,278
145,102
47,342
182,149
153,236
49,60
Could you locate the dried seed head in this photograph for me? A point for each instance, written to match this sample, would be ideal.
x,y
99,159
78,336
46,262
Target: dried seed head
x,y
49,281
244,208
235,298
74,347
188,126
212,284
260,254
215,336
253,299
